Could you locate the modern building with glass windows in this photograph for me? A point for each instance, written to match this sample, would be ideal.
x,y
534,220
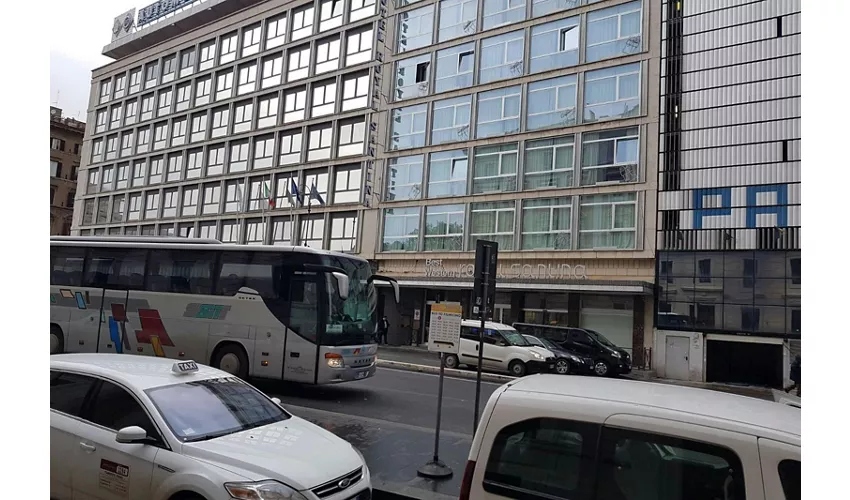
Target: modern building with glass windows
x,y
244,121
728,262
533,124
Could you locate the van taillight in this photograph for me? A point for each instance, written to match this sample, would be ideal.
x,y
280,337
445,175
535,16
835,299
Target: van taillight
x,y
466,484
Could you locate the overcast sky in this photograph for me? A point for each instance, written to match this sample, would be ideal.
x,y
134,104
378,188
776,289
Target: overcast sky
x,y
82,29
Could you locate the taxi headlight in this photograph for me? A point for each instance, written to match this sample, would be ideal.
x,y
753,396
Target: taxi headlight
x,y
536,355
263,490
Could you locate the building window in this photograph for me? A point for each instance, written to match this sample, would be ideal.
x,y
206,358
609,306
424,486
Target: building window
x,y
551,103
247,78
457,19
123,174
447,173
190,201
220,122
251,40
294,105
352,137
184,92
284,192
230,231
178,132
547,223
260,192
613,32
327,55
542,7
704,269
169,68
186,230
187,62
93,185
263,151
115,117
224,85
358,47
156,170
165,99
401,230
343,232
796,271
415,28
194,163
238,156
106,179
796,321
100,121
169,203
55,168
412,77
454,67
493,222
267,111
555,45
404,178
612,93
151,73
408,127
608,221
207,56
451,120
290,147
102,211
444,228
135,207
199,127
143,140
120,86
324,95
302,22
255,232
88,212
215,160
234,196
494,168
498,112
355,91
57,144
319,147
118,208
272,71
610,156
502,12
112,147
138,173
548,163
750,319
316,181
330,14
175,167
147,107
97,150
203,87
160,137
275,31
135,80
105,90
750,269
347,184
212,199
227,48
312,231
243,115
281,231
299,63
130,113
151,205
148,230
501,57
361,9
207,230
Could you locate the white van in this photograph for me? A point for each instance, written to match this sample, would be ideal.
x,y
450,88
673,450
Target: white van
x,y
551,437
505,350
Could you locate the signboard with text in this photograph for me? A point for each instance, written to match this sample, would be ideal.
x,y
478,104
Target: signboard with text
x,y
444,328
485,272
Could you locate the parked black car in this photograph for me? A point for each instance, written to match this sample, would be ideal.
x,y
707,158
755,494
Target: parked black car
x,y
608,359
566,361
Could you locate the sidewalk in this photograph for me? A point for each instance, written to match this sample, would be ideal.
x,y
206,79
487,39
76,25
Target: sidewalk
x,y
417,358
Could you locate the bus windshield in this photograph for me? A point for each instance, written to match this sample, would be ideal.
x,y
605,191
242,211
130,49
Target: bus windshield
x,y
350,321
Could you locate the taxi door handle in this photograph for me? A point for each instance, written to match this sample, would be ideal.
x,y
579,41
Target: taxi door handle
x,y
87,447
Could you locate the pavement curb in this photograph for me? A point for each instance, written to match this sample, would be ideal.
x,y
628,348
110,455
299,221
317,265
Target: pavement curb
x,y
449,372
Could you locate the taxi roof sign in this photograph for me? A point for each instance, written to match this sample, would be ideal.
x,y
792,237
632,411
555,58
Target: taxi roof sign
x,y
183,367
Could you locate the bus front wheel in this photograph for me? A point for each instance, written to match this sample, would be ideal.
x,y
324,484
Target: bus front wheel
x,y
232,359
57,340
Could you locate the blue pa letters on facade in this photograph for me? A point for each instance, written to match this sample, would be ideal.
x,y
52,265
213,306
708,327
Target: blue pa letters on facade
x,y
706,204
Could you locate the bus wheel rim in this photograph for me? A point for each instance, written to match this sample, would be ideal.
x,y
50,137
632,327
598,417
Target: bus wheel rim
x,y
54,343
230,363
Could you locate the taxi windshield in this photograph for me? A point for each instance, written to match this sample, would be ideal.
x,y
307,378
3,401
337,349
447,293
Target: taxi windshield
x,y
207,409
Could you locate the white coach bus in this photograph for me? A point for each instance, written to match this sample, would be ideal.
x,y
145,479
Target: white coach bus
x,y
287,313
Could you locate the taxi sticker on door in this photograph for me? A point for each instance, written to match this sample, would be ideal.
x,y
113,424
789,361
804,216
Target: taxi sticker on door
x,y
113,477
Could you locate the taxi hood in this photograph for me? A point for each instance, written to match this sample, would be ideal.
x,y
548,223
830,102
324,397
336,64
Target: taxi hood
x,y
292,451
546,353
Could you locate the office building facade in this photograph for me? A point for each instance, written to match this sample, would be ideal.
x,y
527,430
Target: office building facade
x,y
728,262
66,141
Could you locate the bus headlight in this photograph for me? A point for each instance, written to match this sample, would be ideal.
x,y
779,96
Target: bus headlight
x,y
334,360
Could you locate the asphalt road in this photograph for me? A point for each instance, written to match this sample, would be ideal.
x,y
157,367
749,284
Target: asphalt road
x,y
397,396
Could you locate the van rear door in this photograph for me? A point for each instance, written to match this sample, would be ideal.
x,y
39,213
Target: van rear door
x,y
780,464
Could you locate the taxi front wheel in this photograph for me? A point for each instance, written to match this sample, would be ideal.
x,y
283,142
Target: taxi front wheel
x,y
232,359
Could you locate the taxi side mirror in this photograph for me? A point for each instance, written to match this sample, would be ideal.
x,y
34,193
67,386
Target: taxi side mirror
x,y
132,434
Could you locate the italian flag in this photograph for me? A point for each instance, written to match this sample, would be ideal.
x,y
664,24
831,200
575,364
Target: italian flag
x,y
268,195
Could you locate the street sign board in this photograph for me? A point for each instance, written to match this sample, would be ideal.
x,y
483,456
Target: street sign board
x,y
486,255
444,328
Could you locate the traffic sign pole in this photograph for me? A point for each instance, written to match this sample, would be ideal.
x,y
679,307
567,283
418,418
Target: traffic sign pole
x,y
484,291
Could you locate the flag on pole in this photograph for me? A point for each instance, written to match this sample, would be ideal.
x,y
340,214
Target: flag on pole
x,y
294,191
268,195
314,194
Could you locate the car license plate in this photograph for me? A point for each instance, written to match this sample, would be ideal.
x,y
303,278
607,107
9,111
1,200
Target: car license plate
x,y
551,366
363,374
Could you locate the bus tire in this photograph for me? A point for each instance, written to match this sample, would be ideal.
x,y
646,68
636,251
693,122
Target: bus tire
x,y
231,358
57,340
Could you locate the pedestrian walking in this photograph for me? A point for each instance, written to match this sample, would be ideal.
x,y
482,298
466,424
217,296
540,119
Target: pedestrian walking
x,y
795,376
383,328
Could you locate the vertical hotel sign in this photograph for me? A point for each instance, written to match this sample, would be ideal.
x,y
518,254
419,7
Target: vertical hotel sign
x,y
160,9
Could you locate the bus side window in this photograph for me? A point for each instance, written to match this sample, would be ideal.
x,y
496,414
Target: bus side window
x,y
182,271
254,270
67,268
115,268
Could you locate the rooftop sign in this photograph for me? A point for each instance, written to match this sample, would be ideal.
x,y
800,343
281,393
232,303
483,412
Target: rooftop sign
x,y
160,9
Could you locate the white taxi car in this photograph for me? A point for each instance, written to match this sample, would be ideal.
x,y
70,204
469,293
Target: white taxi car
x,y
142,428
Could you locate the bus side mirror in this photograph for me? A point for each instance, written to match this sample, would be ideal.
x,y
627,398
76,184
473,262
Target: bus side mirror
x,y
342,283
393,283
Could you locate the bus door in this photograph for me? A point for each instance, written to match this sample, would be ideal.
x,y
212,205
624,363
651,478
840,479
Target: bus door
x,y
302,324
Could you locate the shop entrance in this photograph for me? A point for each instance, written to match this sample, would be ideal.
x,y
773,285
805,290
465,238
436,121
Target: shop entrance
x,y
749,363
